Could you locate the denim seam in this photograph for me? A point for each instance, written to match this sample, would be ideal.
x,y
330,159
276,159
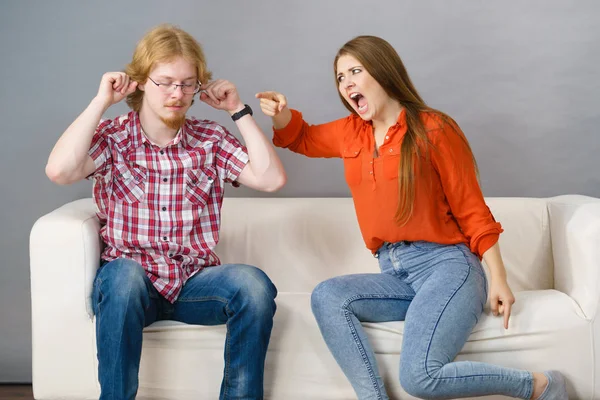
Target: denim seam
x,y
357,341
121,338
201,299
436,325
485,282
227,354
97,328
430,340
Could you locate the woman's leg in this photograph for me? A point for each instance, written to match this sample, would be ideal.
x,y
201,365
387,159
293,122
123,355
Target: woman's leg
x,y
450,295
340,304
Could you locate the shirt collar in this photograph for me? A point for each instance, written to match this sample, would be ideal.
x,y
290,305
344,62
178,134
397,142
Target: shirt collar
x,y
139,137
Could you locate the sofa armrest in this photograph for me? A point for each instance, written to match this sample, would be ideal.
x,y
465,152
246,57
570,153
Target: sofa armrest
x,y
575,232
64,250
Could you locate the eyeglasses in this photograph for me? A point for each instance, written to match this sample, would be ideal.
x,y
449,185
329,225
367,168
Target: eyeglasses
x,y
172,87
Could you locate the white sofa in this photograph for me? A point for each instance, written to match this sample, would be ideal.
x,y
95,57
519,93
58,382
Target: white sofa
x,y
551,248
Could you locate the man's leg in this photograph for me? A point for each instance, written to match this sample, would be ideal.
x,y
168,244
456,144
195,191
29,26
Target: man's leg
x,y
243,297
124,302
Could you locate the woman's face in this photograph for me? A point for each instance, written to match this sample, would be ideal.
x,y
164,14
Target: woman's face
x,y
359,88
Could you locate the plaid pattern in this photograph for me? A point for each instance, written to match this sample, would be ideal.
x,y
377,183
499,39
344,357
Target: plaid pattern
x,y
161,207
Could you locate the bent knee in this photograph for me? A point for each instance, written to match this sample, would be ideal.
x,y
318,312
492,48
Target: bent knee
x,y
418,382
256,287
327,295
122,279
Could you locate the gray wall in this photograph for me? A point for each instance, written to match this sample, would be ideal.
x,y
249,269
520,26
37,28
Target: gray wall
x,y
521,78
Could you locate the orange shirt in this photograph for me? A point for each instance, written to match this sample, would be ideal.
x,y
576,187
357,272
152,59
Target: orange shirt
x,y
449,207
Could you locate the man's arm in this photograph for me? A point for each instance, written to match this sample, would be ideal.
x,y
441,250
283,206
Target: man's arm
x,y
69,161
264,170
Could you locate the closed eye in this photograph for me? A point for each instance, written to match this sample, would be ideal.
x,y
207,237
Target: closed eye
x,y
178,84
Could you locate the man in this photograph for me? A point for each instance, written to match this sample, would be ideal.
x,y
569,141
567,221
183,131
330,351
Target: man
x,y
158,184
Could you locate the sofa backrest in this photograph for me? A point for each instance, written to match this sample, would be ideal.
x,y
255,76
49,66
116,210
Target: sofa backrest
x,y
300,242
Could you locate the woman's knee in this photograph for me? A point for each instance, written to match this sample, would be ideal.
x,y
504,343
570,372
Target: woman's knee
x,y
328,295
418,380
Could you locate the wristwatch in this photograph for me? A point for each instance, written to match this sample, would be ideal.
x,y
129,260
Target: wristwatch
x,y
242,112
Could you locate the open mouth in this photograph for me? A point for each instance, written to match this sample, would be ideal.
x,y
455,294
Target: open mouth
x,y
360,102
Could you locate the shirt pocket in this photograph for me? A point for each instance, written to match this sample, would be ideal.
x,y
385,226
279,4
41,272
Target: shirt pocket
x,y
129,183
391,162
352,165
199,185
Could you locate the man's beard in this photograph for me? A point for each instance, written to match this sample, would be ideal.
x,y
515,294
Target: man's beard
x,y
175,122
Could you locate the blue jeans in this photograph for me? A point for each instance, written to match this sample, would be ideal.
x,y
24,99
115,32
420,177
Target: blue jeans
x,y
439,291
125,301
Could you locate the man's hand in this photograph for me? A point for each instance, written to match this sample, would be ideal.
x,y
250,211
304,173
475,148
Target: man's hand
x,y
114,87
222,95
271,103
501,299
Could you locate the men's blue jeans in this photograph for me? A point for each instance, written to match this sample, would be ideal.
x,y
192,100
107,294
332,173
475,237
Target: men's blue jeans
x,y
125,301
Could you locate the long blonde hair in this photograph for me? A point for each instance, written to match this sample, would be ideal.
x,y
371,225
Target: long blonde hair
x,y
382,62
163,43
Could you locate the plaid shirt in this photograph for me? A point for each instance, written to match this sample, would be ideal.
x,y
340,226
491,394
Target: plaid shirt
x,y
162,206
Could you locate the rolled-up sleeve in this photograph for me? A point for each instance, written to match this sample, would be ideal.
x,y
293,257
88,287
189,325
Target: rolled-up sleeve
x,y
453,160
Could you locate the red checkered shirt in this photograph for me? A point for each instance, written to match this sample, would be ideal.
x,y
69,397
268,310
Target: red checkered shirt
x,y
162,206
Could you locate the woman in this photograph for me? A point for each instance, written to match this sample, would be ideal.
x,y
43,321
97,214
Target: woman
x,y
421,212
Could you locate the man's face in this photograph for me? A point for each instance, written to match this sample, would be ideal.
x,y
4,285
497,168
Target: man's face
x,y
166,100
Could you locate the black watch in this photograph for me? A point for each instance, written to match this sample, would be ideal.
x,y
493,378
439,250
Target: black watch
x,y
242,112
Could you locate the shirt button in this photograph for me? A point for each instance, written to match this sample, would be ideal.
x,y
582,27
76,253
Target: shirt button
x,y
164,208
387,137
164,238
391,150
162,152
371,172
164,179
170,255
